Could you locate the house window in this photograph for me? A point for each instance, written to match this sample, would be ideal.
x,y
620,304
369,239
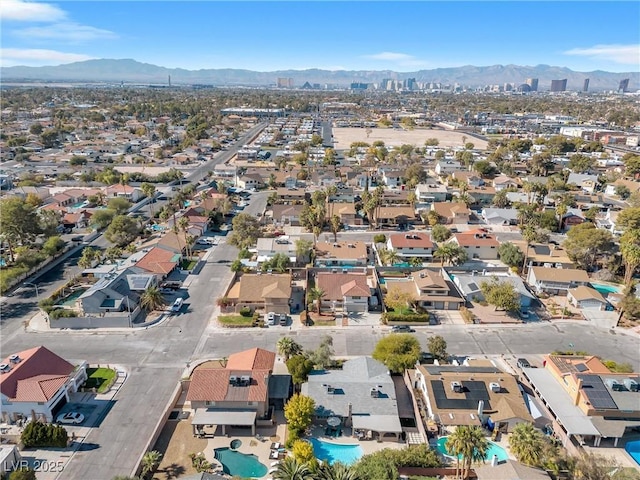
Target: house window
x,y
210,403
251,404
355,298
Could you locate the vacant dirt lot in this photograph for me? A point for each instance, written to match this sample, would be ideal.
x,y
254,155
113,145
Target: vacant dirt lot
x,y
344,137
176,442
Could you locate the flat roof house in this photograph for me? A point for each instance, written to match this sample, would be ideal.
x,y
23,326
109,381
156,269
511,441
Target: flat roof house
x,y
36,384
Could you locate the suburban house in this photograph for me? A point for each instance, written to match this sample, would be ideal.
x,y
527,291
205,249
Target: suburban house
x,y
412,244
159,261
249,181
573,217
545,255
471,179
431,288
556,281
341,254
286,214
346,212
469,285
394,215
237,395
630,184
447,167
80,219
267,292
474,393
430,193
452,212
500,216
172,241
36,383
586,297
502,182
585,181
507,470
362,395
133,194
346,291
479,244
392,178
589,403
291,196
268,247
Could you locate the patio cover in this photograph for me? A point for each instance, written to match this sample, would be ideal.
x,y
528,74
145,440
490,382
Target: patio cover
x,y
574,420
209,416
377,423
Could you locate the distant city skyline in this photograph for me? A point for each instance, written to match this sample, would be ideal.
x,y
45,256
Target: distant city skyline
x,y
269,36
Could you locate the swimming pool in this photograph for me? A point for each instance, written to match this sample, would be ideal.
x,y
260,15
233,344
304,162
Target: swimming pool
x,y
71,299
633,449
493,449
605,288
336,452
240,464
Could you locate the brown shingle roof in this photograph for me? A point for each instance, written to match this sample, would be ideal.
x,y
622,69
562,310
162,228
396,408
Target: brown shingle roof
x,y
333,284
255,288
34,377
413,239
560,274
448,209
342,250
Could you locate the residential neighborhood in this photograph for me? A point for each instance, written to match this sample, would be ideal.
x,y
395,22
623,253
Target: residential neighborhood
x,y
243,289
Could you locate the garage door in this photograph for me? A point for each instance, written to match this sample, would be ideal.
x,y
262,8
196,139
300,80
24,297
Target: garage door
x,y
58,406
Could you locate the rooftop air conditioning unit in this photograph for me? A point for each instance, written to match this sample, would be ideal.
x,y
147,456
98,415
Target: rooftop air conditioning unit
x,y
330,389
245,379
631,384
233,380
15,358
456,387
495,387
374,392
4,368
614,385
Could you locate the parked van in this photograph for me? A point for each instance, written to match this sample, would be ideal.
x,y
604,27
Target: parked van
x,y
177,305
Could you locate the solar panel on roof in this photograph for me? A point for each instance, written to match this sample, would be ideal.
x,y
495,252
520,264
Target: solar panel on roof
x,y
581,367
597,392
473,392
473,286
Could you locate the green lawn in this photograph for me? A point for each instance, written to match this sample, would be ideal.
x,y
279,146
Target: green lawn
x,y
188,264
235,320
100,378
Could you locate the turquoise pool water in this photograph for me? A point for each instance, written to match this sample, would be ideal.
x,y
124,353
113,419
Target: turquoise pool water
x,y
71,299
240,464
157,228
633,449
605,288
336,452
493,449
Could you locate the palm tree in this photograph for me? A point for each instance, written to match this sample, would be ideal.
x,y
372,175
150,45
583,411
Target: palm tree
x,y
450,253
561,210
415,261
149,190
468,443
388,257
336,471
630,250
335,225
527,444
316,294
150,462
288,347
291,469
152,299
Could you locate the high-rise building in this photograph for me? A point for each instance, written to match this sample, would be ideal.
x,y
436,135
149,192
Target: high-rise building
x,y
533,84
411,84
359,86
285,82
559,85
624,86
585,86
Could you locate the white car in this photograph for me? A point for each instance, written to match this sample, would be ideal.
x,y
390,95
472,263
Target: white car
x,y
271,318
71,417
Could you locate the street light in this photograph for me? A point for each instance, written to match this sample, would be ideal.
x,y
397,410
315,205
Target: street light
x,y
33,285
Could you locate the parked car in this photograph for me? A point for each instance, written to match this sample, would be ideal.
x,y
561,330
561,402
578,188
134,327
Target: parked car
x,y
283,319
270,318
524,315
523,363
78,238
177,305
402,328
73,418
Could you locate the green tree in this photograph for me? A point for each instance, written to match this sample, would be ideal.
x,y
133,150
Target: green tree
x,y
113,253
384,464
299,366
585,243
510,254
23,473
299,412
149,191
387,256
37,434
500,199
122,230
88,257
336,226
629,218
397,351
322,357
527,444
53,245
19,222
304,248
468,443
236,265
49,221
502,295
437,347
292,469
440,233
150,461
398,299
288,347
102,218
336,471
451,253
119,205
316,294
622,191
49,138
630,250
302,451
152,299
246,231
580,163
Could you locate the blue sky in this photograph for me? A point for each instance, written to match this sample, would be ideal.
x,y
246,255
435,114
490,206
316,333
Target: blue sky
x,y
335,35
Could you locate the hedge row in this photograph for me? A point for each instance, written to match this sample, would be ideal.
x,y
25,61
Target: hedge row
x,y
392,317
38,434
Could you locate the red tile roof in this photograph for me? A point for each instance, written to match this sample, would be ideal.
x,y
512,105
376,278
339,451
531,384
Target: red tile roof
x,y
36,378
337,285
253,359
478,237
159,261
413,239
212,384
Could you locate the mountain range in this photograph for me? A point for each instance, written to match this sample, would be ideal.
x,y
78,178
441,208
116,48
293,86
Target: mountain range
x,y
131,71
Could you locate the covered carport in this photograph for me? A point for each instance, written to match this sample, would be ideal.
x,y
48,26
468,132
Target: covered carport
x,y
364,426
223,418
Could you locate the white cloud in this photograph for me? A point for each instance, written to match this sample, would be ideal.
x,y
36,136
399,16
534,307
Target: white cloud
x,y
10,57
66,32
625,54
401,59
18,10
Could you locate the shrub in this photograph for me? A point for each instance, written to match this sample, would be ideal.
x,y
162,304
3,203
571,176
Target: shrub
x,y
246,312
38,434
223,302
303,317
62,313
380,238
467,316
391,317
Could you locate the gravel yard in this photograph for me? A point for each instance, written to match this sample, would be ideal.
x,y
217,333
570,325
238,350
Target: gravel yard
x,y
344,137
